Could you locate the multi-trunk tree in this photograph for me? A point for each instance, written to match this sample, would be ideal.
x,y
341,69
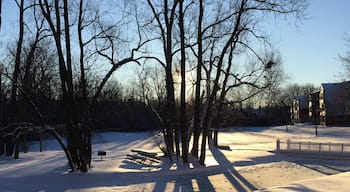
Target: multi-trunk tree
x,y
164,18
217,35
103,45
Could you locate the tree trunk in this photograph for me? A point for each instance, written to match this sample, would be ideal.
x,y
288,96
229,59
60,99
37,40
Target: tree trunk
x,y
197,104
206,124
76,153
183,121
170,123
17,146
9,146
217,124
168,16
2,144
41,141
223,94
81,49
216,88
14,104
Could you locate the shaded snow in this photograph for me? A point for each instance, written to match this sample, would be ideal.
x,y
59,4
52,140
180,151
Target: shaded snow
x,y
250,165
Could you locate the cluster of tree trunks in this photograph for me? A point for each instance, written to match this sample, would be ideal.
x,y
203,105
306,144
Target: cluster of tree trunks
x,y
215,51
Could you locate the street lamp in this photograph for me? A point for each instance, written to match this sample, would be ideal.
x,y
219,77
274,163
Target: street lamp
x,y
317,112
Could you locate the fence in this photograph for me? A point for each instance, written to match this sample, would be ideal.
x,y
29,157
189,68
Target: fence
x,y
313,148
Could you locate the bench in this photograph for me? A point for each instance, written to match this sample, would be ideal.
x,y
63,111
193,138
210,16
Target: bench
x,y
101,154
145,153
143,156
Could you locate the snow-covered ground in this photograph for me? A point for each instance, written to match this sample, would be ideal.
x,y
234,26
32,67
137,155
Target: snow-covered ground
x,y
250,165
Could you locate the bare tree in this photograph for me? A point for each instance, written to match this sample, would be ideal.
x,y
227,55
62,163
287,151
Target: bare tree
x,y
102,44
237,24
156,80
345,58
183,120
32,80
257,79
75,157
113,91
164,19
224,34
197,104
286,95
14,98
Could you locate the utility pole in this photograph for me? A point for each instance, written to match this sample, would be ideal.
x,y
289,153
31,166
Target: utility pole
x,y
1,114
316,132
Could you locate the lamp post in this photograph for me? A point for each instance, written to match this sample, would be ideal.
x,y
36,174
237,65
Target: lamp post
x,y
317,112
1,114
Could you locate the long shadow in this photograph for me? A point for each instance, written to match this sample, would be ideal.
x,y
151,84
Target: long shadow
x,y
177,180
160,186
236,179
294,187
323,166
326,167
78,181
338,169
204,184
58,180
184,183
161,178
184,177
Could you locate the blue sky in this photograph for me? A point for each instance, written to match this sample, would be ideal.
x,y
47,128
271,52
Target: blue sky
x,y
310,50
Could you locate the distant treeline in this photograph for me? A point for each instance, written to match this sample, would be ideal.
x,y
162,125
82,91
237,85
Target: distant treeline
x,y
267,116
127,115
133,115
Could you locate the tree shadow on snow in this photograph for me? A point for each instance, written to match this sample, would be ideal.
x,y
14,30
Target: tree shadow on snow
x,y
323,166
173,176
235,178
190,176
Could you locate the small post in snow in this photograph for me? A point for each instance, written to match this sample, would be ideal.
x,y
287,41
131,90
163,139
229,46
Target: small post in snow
x,y
316,132
278,143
